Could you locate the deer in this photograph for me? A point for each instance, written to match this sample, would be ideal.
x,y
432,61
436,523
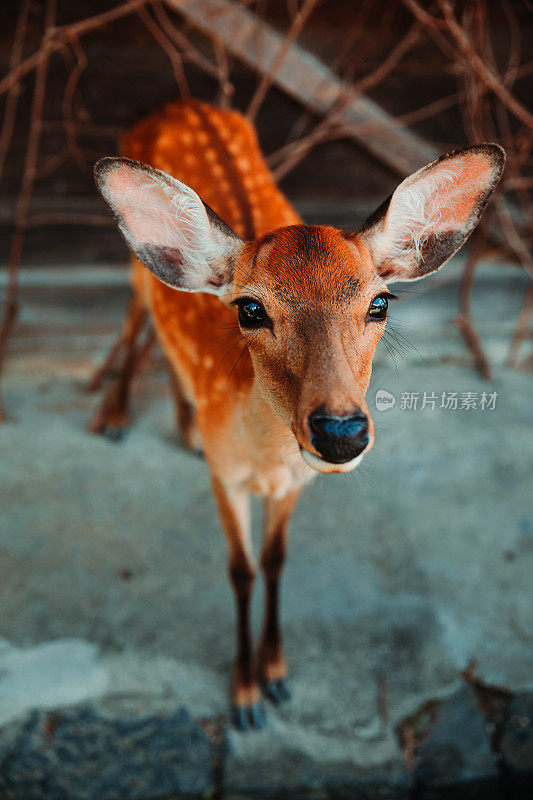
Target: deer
x,y
220,255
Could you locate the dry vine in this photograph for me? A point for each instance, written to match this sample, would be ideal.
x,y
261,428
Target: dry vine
x,y
485,94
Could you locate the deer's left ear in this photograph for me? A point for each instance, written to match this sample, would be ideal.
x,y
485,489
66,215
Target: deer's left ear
x,y
168,227
432,213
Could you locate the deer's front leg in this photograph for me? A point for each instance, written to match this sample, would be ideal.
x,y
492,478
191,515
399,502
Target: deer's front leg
x,y
272,665
233,505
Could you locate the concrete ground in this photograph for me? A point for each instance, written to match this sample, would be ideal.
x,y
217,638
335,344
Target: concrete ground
x,y
400,576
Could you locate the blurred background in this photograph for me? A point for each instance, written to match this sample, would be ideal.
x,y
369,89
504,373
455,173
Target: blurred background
x,y
407,596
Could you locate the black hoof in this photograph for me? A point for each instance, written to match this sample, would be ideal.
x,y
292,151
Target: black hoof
x,y
195,450
245,718
277,691
115,434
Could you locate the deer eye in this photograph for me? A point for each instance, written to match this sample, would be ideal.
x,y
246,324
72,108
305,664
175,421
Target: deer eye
x,y
378,307
252,314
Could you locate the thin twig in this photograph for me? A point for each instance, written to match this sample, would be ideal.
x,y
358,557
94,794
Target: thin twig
x,y
301,148
464,320
67,218
226,88
68,116
104,131
10,111
28,177
490,80
166,45
522,253
188,50
56,39
520,332
292,34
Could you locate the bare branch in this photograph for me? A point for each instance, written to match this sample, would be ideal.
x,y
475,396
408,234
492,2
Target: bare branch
x,y
68,116
324,128
190,53
294,31
28,177
56,39
485,74
13,94
166,45
226,87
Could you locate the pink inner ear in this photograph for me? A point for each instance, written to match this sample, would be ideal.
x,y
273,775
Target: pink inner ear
x,y
458,197
142,204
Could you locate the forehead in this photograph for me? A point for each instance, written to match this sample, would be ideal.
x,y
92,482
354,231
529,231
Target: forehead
x,y
307,262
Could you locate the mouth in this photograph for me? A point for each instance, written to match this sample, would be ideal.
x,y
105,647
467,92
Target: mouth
x,y
325,466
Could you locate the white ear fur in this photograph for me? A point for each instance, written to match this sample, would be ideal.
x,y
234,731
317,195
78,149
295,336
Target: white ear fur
x,y
167,226
432,212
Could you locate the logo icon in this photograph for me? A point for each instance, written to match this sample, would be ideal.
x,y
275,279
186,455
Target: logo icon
x,y
384,400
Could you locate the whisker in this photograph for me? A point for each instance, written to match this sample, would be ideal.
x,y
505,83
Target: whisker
x,y
243,351
387,345
397,334
233,346
395,346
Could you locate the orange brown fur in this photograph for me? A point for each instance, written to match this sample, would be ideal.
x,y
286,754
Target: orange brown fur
x,y
217,154
267,401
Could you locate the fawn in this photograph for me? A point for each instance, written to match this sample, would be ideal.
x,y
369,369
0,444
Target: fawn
x,y
301,307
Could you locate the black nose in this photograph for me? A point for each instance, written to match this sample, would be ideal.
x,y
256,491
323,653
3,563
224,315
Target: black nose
x,y
339,439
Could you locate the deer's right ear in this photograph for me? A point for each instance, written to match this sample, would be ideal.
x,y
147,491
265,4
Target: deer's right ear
x,y
432,213
167,226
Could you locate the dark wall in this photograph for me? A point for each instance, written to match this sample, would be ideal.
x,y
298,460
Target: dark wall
x,y
128,75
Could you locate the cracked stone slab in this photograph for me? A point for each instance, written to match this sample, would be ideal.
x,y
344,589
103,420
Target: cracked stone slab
x,y
113,751
399,575
60,672
288,760
456,754
516,744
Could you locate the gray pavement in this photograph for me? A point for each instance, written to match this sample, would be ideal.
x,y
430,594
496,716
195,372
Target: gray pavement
x,y
400,576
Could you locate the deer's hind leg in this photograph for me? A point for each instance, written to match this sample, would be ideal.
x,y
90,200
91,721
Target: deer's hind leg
x,y
272,666
112,417
185,410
